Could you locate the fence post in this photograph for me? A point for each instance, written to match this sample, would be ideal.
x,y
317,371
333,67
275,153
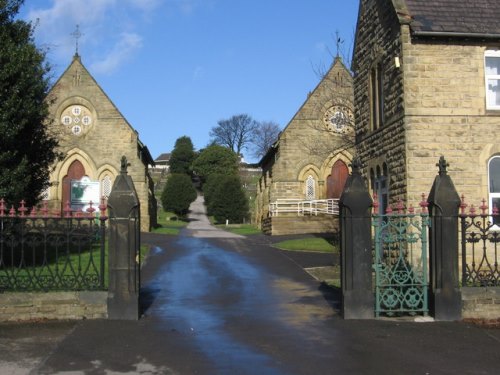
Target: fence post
x,y
124,248
444,202
356,247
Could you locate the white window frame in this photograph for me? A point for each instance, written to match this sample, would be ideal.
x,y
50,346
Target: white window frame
x,y
310,188
487,77
492,195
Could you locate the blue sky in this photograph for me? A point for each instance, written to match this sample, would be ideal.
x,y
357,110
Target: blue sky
x,y
176,67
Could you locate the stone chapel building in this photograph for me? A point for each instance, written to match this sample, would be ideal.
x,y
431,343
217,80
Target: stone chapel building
x,y
304,172
426,84
93,137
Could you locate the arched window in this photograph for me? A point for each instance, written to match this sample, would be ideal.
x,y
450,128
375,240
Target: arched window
x,y
494,184
106,186
379,181
376,96
45,195
310,188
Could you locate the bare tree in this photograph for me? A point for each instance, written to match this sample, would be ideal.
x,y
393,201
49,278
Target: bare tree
x,y
264,135
234,133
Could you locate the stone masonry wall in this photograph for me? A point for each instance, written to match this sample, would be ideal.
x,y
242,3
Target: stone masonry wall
x,y
306,141
434,104
481,303
446,115
109,137
378,41
306,146
53,306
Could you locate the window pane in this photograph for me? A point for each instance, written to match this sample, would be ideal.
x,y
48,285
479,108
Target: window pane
x,y
494,175
493,93
495,202
492,65
310,188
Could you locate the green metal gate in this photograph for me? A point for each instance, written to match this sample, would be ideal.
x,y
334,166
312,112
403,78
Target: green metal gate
x,y
400,261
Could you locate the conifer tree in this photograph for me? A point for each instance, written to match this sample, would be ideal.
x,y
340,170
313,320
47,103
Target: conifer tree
x,y
178,194
228,200
27,149
182,156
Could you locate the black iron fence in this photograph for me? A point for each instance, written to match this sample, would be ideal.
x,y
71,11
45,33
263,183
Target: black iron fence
x,y
42,251
480,236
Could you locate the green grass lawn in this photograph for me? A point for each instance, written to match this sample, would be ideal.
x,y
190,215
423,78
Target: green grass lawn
x,y
309,244
167,223
243,229
86,263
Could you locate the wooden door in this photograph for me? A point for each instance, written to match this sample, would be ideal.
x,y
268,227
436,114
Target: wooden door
x,y
336,180
75,172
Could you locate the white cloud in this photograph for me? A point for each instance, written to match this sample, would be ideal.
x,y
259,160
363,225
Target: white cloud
x,y
128,44
100,27
110,29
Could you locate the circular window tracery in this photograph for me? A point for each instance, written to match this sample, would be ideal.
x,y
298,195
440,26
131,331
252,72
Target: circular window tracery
x,y
338,119
77,119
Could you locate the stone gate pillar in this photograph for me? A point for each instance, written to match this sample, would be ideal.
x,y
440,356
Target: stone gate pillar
x,y
124,248
355,204
445,297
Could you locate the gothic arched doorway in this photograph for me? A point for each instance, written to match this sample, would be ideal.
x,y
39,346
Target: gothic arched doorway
x,y
75,172
336,180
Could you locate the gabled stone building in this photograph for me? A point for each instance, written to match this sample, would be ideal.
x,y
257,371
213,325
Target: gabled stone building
x,y
427,83
309,161
93,137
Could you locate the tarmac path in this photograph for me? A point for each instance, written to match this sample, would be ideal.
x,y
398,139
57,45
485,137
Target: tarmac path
x,y
218,303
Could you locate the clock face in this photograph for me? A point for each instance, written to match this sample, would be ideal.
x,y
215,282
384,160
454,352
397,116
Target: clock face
x,y
77,119
338,119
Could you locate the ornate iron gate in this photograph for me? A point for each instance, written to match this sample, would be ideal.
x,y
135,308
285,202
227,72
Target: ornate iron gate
x,y
400,260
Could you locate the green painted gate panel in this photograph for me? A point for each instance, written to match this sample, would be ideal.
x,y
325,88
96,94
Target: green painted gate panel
x,y
400,263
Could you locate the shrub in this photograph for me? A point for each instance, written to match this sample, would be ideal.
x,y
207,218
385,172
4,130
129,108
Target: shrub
x,y
178,194
215,159
210,190
227,200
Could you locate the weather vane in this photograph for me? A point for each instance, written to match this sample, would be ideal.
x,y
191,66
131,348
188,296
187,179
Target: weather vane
x,y
338,41
77,35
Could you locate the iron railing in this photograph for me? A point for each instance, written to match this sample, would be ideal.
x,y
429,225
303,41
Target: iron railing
x,y
43,251
302,207
480,236
400,260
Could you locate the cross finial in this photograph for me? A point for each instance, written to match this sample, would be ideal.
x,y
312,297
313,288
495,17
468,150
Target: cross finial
x,y
356,165
443,164
77,35
124,165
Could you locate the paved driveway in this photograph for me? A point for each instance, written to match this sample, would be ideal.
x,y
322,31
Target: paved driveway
x,y
216,303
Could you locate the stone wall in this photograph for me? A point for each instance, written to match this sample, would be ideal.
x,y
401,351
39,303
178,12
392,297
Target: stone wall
x,y
378,41
434,104
309,146
101,144
446,115
293,224
481,303
53,306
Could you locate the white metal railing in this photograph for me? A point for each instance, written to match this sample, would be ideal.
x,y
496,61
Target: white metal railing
x,y
304,207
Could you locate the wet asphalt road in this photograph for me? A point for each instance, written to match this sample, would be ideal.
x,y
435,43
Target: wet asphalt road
x,y
215,303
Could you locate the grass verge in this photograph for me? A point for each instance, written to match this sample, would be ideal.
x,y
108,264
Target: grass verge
x,y
318,244
168,223
242,229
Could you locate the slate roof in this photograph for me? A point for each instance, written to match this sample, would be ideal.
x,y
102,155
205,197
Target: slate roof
x,y
165,157
474,18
